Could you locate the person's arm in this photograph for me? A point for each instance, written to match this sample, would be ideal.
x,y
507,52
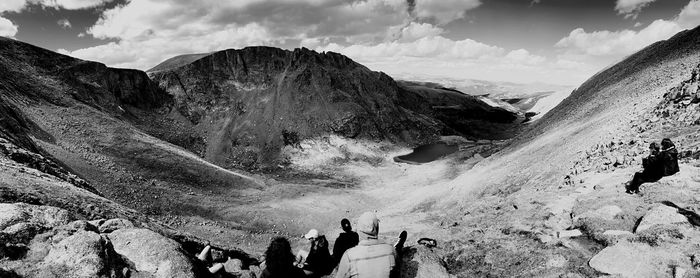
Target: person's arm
x,y
344,267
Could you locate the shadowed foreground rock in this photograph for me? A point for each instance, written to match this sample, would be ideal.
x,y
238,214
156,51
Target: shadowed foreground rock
x,y
42,241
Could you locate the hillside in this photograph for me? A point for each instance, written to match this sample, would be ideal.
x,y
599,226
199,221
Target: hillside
x,y
567,171
249,103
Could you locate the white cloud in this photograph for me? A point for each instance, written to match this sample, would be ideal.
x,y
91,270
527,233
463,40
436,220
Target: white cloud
x,y
64,23
438,56
618,43
7,28
631,8
11,5
690,15
148,52
186,26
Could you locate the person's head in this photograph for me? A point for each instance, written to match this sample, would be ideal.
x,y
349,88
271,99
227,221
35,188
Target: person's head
x,y
654,148
666,143
279,257
311,235
368,224
345,224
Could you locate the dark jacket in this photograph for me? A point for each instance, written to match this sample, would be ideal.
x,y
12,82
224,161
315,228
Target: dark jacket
x,y
653,167
344,242
320,263
669,158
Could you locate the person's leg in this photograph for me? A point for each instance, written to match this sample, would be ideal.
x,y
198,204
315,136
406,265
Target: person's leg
x,y
634,184
301,257
400,242
216,268
205,254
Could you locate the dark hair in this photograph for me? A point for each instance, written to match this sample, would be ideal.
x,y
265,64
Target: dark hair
x,y
654,146
667,143
279,257
345,223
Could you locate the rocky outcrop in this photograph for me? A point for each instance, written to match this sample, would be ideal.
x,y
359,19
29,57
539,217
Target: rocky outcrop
x,y
42,241
152,253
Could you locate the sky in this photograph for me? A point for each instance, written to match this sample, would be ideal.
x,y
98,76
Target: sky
x,y
521,41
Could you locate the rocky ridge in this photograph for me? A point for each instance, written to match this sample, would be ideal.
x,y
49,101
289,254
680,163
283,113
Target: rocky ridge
x,y
249,103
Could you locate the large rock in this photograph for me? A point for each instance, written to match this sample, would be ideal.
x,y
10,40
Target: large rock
x,y
660,215
115,224
422,262
152,253
638,260
11,214
82,254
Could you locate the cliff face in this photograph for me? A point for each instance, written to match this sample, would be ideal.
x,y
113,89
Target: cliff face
x,y
42,75
259,98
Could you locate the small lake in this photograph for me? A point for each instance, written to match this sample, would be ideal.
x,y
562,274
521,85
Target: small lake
x,y
427,153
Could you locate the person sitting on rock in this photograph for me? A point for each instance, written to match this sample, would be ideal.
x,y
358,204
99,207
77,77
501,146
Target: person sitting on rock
x,y
653,170
371,257
319,262
302,254
346,240
669,157
279,261
215,267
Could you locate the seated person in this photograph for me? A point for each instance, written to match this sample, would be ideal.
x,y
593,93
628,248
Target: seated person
x,y
319,261
669,157
279,261
346,240
653,170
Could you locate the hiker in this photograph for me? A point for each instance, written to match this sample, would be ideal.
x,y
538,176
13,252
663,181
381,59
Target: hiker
x,y
319,261
216,267
669,157
303,254
371,257
346,240
653,170
279,261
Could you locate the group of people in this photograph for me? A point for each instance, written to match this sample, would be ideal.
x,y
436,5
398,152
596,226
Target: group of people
x,y
662,161
357,256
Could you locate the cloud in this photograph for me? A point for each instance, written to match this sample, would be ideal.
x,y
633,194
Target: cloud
x,y
143,54
690,15
186,26
436,56
616,44
444,11
7,28
535,2
631,8
12,5
64,23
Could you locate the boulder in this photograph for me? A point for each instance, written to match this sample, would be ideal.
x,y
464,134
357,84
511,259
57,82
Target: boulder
x,y
79,255
46,216
627,259
152,253
115,224
660,215
422,262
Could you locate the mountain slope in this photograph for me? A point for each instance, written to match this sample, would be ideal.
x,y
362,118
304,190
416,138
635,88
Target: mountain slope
x,y
250,103
83,116
570,166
